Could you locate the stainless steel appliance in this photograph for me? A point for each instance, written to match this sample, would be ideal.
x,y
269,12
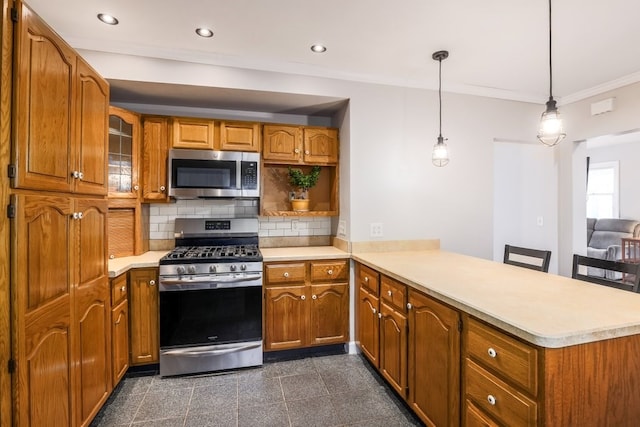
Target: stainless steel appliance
x,y
211,297
208,173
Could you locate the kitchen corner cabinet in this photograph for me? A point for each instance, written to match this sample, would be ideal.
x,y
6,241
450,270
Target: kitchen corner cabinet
x,y
119,328
155,154
60,114
144,319
62,309
240,136
413,341
192,133
306,303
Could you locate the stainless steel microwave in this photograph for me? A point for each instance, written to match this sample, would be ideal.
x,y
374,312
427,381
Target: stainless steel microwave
x,y
208,174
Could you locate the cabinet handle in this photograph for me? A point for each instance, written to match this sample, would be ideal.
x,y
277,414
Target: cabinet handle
x,y
379,315
152,282
409,306
374,310
80,176
330,272
297,151
389,293
162,188
492,352
75,174
366,280
80,215
136,187
122,289
74,215
286,274
314,297
303,297
306,152
491,399
112,256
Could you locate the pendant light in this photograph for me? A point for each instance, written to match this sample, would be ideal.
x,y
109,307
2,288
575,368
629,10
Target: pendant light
x,y
551,132
440,156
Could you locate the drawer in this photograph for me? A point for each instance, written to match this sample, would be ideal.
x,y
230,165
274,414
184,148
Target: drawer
x,y
393,292
118,289
284,273
323,271
510,358
497,398
368,278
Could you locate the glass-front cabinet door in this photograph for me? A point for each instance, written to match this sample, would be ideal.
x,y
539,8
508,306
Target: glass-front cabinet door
x,y
124,147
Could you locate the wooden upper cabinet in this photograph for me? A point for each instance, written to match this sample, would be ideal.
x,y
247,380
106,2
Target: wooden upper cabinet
x,y
44,107
240,136
92,120
192,133
282,143
155,154
60,114
320,145
124,153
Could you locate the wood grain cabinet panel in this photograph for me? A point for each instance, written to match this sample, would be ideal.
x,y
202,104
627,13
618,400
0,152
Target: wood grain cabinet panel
x,y
282,143
155,155
330,271
393,292
294,272
124,154
474,417
192,133
119,328
320,145
329,314
393,348
143,312
240,136
286,317
368,326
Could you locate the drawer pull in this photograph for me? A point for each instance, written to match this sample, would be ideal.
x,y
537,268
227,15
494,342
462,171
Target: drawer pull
x,y
409,306
491,399
303,297
492,352
314,297
366,280
122,289
152,282
162,188
286,274
330,272
374,310
389,293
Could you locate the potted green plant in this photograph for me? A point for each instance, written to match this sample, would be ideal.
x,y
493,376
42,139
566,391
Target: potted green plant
x,y
302,183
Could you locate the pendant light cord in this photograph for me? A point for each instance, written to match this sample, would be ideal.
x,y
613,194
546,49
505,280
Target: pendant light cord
x,y
550,73
440,94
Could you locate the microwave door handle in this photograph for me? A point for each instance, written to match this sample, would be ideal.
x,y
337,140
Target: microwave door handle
x,y
239,175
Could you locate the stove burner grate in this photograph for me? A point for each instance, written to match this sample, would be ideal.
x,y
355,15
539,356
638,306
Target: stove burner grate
x,y
214,252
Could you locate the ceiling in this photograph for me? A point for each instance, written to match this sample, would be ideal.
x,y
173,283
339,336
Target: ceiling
x,y
498,48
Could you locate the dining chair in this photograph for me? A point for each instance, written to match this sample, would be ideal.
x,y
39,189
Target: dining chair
x,y
630,272
534,259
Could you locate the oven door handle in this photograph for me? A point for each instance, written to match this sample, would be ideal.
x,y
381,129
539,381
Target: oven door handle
x,y
204,351
211,279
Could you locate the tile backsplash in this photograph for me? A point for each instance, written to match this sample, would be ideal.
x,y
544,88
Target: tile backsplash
x,y
162,216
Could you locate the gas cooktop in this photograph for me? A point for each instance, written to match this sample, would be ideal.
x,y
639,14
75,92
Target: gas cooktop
x,y
248,252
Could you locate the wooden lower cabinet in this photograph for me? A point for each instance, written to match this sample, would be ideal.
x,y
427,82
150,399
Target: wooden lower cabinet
x,y
474,417
144,316
305,304
119,328
368,331
393,348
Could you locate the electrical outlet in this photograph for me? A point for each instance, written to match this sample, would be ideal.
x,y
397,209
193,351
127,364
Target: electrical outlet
x,y
292,195
295,225
376,229
342,228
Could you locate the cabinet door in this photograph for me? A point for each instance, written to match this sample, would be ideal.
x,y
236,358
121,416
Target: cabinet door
x,y
474,417
42,262
393,348
143,300
154,159
434,359
92,123
124,154
119,341
192,133
329,321
240,136
320,145
286,313
45,104
368,327
282,143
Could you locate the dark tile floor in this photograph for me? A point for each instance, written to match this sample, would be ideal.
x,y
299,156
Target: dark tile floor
x,y
339,390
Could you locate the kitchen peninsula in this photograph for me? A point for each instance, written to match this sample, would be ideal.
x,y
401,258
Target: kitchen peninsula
x,y
533,348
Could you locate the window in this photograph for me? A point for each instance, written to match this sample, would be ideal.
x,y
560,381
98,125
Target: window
x,y
603,190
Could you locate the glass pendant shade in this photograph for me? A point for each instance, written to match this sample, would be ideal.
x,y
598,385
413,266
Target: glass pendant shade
x,y
440,156
551,131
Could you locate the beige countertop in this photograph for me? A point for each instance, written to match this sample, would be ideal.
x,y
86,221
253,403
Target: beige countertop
x,y
544,309
302,253
117,266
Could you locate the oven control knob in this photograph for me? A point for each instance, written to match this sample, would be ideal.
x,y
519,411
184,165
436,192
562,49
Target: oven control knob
x,y
212,269
181,270
192,269
233,268
243,267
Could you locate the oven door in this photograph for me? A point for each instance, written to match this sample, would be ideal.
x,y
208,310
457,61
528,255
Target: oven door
x,y
210,329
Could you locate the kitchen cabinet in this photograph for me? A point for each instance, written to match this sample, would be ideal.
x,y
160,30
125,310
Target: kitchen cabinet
x,y
124,153
297,144
144,316
240,136
62,309
393,334
306,304
119,328
155,154
192,133
434,355
60,121
368,323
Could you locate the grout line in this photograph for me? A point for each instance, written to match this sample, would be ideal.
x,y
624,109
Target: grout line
x,y
184,421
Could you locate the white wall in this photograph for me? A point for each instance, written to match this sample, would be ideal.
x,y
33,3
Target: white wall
x,y
525,191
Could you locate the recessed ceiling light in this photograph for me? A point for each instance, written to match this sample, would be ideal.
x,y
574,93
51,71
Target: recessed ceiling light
x,y
204,32
318,48
107,19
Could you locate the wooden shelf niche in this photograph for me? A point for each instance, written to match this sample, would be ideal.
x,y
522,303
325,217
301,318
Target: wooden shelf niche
x,y
275,192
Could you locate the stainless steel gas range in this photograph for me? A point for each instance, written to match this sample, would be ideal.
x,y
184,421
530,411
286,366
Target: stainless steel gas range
x,y
211,297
